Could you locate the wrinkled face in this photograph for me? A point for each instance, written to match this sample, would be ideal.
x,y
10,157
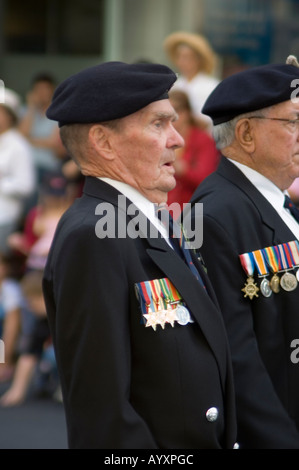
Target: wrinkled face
x,y
277,146
144,148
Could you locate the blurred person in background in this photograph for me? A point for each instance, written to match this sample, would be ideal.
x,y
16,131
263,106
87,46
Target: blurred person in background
x,y
11,304
54,200
199,156
43,134
196,62
32,350
17,176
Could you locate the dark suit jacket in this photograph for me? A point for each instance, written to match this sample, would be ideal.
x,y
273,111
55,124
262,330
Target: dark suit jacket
x,y
237,220
125,385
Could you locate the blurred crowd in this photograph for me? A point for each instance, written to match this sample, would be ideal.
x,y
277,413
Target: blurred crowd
x,y
37,183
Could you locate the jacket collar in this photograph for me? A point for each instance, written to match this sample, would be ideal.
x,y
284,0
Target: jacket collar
x,y
268,214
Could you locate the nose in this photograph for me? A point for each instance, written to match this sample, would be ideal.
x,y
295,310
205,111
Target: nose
x,y
175,139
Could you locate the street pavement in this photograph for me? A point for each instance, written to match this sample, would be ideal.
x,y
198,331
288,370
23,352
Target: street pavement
x,y
38,423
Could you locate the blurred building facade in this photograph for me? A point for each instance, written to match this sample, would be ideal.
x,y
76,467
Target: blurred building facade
x,y
63,36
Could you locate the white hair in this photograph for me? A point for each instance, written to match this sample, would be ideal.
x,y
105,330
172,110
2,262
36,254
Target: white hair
x,y
224,133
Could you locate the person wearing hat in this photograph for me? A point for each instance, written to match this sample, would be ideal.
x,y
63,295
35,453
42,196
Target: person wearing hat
x,y
140,343
250,245
196,62
17,178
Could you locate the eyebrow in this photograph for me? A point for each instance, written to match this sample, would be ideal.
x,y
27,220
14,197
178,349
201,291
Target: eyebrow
x,y
173,116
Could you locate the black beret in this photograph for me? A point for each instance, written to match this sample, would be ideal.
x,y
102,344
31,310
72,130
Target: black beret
x,y
108,91
251,90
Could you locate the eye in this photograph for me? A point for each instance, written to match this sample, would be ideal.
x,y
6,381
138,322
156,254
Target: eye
x,y
293,124
158,124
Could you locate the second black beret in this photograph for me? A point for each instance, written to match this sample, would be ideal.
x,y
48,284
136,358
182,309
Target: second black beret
x,y
251,90
108,91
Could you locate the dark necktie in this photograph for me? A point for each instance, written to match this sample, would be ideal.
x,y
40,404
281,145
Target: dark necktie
x,y
288,204
177,239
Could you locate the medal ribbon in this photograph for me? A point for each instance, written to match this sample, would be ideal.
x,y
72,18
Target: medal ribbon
x,y
260,262
247,263
144,292
289,254
155,292
271,258
282,257
294,247
174,295
285,257
278,257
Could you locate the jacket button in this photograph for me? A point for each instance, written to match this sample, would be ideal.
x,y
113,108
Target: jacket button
x,y
212,414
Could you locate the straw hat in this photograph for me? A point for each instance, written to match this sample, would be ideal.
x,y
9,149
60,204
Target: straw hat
x,y
196,42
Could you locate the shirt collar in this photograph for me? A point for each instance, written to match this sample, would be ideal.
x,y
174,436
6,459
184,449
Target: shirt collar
x,y
268,189
143,204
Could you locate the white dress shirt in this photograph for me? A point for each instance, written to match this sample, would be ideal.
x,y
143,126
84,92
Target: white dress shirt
x,y
17,175
143,204
273,195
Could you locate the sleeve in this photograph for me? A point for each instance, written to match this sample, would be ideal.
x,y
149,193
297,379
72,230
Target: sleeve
x,y
20,179
11,296
92,341
262,420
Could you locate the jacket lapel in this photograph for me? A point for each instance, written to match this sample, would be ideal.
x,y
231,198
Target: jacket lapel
x,y
269,216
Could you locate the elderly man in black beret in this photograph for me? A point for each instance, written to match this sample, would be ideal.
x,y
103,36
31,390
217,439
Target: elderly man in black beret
x,y
140,343
250,246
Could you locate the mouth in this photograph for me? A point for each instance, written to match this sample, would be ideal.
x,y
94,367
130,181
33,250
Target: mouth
x,y
169,166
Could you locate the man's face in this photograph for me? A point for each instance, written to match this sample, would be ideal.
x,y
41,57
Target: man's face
x,y
144,148
277,151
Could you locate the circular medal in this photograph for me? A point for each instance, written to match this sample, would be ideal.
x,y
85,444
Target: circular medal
x,y
297,275
274,284
183,315
288,282
265,288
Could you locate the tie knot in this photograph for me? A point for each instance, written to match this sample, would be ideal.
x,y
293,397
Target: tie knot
x,y
288,204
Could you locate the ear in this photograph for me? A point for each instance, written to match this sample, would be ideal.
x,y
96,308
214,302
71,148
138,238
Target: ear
x,y
244,133
100,142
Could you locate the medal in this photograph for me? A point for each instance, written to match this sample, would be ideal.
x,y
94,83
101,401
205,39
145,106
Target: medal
x,y
161,304
265,288
161,313
181,312
274,283
262,272
288,280
250,289
183,315
272,261
294,247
